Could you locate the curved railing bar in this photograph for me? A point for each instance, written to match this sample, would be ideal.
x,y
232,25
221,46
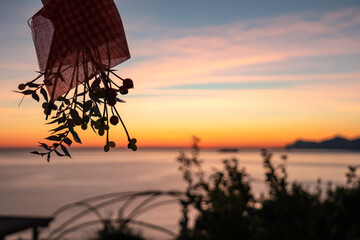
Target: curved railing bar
x,y
89,208
152,198
147,201
144,202
153,194
154,226
108,195
122,197
127,203
75,228
86,211
154,205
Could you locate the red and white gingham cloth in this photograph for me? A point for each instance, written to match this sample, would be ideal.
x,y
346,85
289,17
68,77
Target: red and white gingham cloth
x,y
77,39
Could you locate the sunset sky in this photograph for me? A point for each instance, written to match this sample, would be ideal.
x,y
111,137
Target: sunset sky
x,y
234,73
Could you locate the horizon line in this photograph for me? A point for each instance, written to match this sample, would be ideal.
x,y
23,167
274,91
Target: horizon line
x,y
151,147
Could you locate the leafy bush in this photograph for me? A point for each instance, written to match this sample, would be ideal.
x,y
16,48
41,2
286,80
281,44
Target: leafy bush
x,y
118,231
227,208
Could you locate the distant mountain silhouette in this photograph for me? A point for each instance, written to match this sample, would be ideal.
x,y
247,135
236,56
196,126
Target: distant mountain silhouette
x,y
335,143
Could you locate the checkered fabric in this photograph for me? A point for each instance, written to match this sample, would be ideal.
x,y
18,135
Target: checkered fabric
x,y
77,39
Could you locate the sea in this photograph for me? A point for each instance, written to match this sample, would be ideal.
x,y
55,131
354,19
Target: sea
x,y
132,181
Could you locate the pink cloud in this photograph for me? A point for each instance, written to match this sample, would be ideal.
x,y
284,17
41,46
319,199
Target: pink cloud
x,y
201,52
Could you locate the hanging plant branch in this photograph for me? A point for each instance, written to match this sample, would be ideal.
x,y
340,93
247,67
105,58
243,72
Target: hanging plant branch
x,y
79,42
83,108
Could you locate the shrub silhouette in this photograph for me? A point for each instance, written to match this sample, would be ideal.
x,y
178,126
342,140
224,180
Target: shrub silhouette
x,y
112,232
227,208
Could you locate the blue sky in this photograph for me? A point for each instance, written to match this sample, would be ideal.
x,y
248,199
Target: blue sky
x,y
202,13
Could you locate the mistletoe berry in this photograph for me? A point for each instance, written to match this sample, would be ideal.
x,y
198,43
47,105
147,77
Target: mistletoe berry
x,y
128,83
21,86
114,120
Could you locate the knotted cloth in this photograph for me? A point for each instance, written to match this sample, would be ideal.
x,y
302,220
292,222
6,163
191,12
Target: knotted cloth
x,y
76,40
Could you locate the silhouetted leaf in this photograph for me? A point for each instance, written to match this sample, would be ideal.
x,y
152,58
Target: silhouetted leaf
x,y
44,145
70,123
75,136
59,154
54,121
26,92
35,152
62,135
59,128
74,114
120,100
92,126
68,141
35,96
95,83
96,111
62,119
32,85
61,106
63,148
53,138
44,93
48,157
79,104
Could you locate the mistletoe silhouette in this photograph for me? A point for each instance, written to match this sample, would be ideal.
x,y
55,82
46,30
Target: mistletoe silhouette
x,y
77,45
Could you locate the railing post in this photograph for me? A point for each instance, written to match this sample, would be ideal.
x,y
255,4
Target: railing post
x,y
35,233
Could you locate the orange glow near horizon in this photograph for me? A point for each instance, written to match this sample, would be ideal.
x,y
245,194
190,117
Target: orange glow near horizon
x,y
176,130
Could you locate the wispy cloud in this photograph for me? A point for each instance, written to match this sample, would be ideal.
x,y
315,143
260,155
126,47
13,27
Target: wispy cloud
x,y
232,86
195,55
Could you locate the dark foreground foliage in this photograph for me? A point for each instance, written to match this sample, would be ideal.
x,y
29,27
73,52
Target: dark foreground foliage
x,y
122,232
87,105
227,208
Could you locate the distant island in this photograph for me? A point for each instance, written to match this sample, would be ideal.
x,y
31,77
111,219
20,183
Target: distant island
x,y
228,150
335,143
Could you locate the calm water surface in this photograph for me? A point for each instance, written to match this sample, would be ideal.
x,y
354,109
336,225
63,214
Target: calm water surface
x,y
31,186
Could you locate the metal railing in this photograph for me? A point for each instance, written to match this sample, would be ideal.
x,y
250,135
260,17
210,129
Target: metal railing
x,y
132,206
